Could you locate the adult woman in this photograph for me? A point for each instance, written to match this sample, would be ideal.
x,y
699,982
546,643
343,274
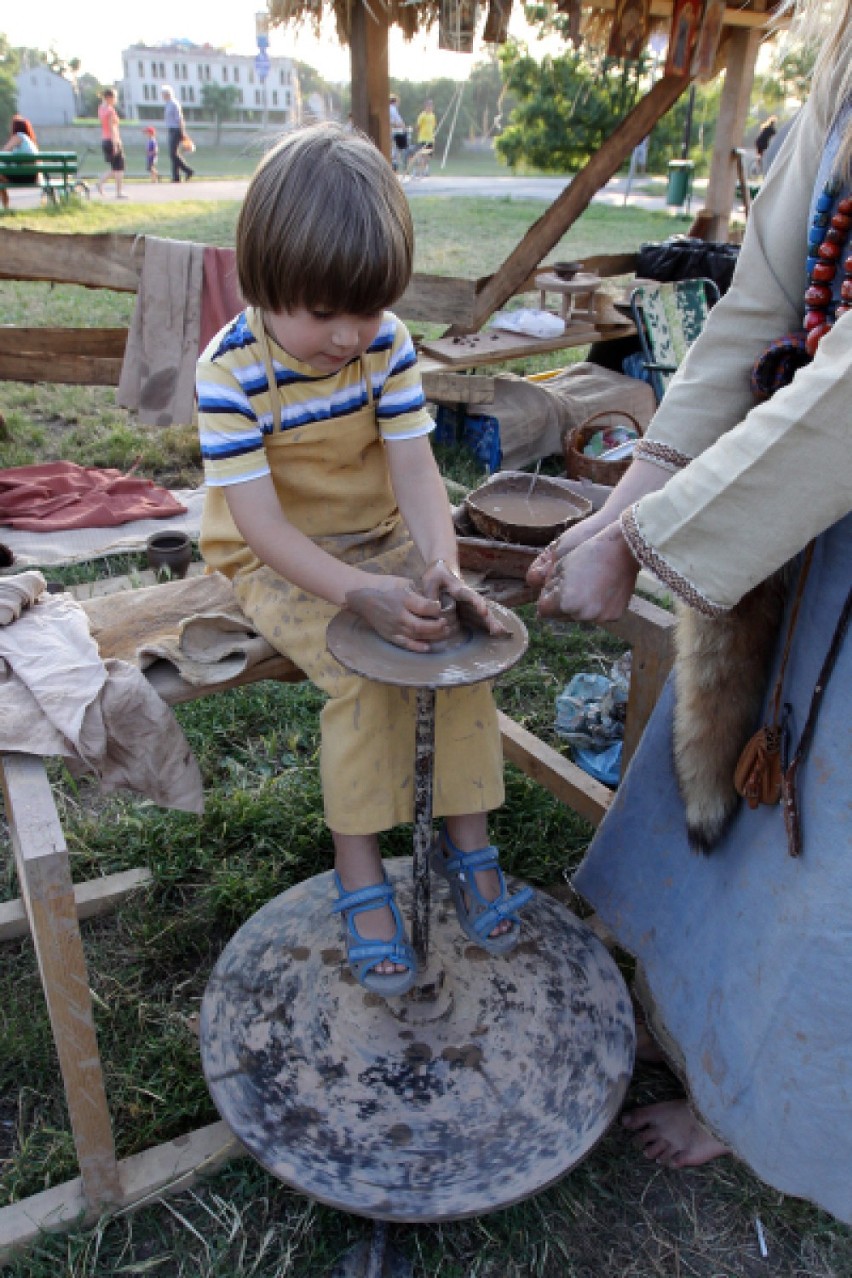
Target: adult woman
x,y
22,139
745,952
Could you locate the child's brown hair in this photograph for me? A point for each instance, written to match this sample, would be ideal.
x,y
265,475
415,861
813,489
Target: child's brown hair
x,y
325,225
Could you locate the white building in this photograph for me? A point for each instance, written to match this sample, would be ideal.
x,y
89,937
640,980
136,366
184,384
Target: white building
x,y
188,67
45,97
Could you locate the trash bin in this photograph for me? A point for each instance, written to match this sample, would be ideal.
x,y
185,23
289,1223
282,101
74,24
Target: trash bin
x,y
680,181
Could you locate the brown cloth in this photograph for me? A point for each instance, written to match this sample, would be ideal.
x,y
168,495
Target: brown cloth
x,y
158,373
187,292
196,625
58,697
58,495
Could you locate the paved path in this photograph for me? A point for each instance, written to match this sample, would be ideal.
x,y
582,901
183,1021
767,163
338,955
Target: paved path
x,y
498,188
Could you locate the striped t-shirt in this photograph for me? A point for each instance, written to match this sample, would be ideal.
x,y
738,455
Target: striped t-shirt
x,y
235,408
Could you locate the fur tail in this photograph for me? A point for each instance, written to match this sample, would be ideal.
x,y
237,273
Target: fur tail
x,y
721,673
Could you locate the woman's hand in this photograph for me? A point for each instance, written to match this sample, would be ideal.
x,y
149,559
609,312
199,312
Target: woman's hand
x,y
544,565
393,607
593,582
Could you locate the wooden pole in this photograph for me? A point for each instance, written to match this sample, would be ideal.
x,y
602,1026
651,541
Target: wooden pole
x,y
368,51
742,49
575,199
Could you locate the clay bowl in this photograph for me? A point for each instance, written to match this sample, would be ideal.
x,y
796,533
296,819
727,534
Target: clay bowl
x,y
169,549
567,270
504,508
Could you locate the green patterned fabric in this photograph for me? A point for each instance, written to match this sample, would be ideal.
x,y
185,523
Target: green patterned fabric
x,y
669,316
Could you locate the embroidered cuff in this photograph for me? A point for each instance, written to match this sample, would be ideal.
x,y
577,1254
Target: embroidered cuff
x,y
662,455
649,558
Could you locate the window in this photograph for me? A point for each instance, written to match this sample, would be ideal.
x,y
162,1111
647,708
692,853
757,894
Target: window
x,y
288,98
257,97
200,70
145,92
183,93
251,77
177,70
191,93
154,70
224,75
236,75
141,66
240,97
275,97
183,71
281,79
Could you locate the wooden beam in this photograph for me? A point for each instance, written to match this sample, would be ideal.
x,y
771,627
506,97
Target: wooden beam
x,y
544,234
438,299
95,261
735,15
44,875
70,370
169,1168
570,784
94,897
741,53
48,342
368,48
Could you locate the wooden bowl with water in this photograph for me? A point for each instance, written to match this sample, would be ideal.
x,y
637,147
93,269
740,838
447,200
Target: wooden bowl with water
x,y
527,510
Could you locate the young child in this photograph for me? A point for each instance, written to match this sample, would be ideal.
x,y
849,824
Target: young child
x,y
152,151
322,492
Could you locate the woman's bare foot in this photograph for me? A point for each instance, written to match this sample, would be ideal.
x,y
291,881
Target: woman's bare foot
x,y
671,1134
648,1049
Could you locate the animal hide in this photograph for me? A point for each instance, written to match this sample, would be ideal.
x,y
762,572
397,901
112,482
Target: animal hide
x,y
721,676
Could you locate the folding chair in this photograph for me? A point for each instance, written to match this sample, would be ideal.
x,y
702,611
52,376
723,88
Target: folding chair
x,y
669,317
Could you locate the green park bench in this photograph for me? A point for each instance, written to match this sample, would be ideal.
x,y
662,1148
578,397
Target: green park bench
x,y
53,172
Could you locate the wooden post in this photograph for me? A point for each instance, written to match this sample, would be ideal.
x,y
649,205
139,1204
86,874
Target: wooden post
x,y
575,199
44,874
368,49
742,49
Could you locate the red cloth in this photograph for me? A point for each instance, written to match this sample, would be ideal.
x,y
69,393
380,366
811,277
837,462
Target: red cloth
x,y
56,495
220,293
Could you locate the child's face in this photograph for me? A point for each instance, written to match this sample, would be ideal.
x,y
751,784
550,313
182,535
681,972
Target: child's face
x,y
324,341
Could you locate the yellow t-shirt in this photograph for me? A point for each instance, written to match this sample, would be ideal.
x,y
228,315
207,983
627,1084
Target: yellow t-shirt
x,y
426,125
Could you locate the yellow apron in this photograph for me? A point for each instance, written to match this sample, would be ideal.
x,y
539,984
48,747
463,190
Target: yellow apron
x,y
332,480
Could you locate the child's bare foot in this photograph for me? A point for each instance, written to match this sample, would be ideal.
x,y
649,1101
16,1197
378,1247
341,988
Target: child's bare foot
x,y
672,1136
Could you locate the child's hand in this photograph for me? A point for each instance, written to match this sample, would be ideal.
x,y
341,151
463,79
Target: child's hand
x,y
440,579
395,610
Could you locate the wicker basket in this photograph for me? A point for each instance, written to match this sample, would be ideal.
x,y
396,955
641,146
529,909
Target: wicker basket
x,y
578,465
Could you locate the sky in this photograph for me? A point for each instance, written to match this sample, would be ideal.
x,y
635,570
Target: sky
x,y
96,33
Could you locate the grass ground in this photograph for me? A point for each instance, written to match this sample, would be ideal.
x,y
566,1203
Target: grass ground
x,y
615,1216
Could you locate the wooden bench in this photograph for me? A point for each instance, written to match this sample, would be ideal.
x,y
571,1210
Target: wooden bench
x,y
51,907
54,172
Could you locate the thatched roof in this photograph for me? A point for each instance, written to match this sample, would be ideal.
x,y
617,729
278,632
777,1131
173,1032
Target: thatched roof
x,y
413,16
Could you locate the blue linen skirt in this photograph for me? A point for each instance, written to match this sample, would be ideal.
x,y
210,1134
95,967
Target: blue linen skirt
x,y
747,952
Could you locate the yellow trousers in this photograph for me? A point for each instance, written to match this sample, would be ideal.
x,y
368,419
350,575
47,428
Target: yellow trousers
x,y
367,758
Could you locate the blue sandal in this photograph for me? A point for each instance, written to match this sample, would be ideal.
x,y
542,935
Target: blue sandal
x,y
364,955
478,917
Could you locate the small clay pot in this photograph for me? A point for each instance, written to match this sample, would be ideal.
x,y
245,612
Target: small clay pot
x,y
457,634
172,550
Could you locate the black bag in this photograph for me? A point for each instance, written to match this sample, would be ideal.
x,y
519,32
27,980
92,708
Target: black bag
x,y
682,258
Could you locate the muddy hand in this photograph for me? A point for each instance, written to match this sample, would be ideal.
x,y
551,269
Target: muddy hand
x,y
396,611
474,612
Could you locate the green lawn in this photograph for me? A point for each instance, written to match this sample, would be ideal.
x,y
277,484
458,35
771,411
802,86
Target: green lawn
x,y
615,1216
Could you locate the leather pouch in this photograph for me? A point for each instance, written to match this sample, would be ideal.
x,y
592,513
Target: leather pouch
x,y
757,777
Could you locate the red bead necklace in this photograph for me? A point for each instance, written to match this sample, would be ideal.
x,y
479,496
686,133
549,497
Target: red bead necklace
x,y
827,244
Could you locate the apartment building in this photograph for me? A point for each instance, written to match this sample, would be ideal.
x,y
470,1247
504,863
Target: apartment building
x,y
187,67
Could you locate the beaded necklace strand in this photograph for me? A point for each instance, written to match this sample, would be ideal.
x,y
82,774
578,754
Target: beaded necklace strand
x,y
828,240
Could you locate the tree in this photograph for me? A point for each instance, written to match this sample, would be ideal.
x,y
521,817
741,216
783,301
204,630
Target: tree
x,y
220,101
567,106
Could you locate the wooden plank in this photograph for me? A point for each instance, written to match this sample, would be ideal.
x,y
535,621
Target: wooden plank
x,y
570,784
438,299
544,234
41,860
94,897
95,261
494,345
102,342
164,1169
736,15
71,370
741,50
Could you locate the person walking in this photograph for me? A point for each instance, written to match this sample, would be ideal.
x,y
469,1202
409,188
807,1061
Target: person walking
x,y
111,146
173,120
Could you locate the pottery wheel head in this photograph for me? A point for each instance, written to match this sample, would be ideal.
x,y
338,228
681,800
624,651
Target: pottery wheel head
x,y
475,658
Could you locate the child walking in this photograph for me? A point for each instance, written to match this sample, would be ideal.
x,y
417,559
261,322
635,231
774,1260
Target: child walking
x,y
152,151
323,493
